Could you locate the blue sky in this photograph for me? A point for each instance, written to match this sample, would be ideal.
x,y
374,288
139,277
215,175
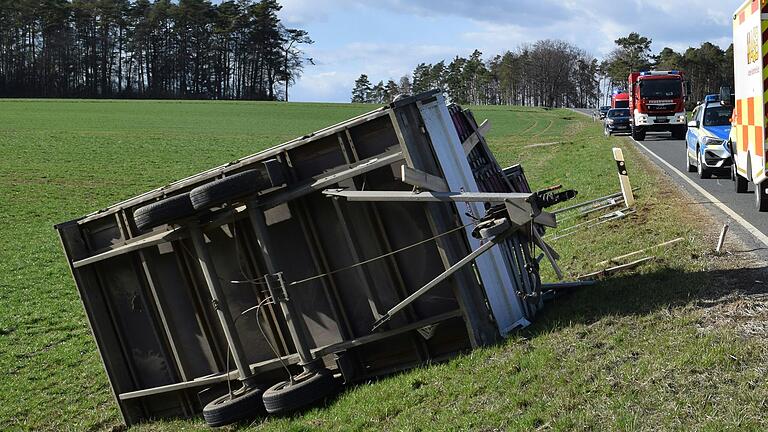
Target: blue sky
x,y
388,38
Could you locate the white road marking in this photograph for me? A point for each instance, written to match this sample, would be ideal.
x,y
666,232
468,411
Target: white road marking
x,y
712,200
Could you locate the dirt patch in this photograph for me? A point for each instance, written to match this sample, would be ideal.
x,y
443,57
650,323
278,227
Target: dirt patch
x,y
747,314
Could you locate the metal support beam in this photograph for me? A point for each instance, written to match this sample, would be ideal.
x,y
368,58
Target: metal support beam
x,y
220,303
520,199
277,285
279,293
441,277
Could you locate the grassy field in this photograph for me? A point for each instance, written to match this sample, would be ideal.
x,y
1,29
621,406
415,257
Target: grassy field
x,y
645,351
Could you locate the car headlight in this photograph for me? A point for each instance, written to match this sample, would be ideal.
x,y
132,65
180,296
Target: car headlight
x,y
609,121
681,118
712,141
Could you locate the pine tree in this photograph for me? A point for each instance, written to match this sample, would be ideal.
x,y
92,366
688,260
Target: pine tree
x,y
378,93
405,87
362,91
391,91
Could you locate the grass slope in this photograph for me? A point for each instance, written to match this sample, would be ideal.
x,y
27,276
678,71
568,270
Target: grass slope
x,y
635,353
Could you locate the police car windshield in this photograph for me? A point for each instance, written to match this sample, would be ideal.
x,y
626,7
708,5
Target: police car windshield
x,y
718,116
618,113
656,89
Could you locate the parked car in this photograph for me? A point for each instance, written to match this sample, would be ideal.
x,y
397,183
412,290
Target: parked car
x,y
603,111
617,121
707,150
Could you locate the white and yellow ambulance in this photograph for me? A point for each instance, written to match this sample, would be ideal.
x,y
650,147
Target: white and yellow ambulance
x,y
747,138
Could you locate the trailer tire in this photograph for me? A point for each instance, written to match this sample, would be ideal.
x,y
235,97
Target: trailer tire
x,y
163,212
229,189
224,410
741,184
286,397
761,197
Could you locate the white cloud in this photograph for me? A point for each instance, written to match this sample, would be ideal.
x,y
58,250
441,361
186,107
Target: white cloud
x,y
304,12
337,69
344,51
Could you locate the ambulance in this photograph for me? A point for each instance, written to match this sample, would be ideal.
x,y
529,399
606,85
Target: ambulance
x,y
747,137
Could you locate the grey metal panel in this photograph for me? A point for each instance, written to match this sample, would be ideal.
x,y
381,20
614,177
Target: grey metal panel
x,y
179,310
131,310
496,276
420,154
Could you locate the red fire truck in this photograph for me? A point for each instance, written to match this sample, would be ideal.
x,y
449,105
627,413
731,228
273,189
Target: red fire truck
x,y
657,103
620,100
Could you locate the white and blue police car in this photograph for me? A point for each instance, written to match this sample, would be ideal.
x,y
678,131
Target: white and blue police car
x,y
707,149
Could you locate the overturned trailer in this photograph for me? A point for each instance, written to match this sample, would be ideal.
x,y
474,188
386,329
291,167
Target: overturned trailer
x,y
366,248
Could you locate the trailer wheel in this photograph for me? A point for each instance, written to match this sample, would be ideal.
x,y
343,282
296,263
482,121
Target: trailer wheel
x,y
761,197
286,397
229,189
163,212
225,410
741,184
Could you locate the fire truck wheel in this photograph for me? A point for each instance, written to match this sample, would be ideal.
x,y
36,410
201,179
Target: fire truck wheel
x,y
638,135
761,197
229,189
243,404
285,396
741,184
163,212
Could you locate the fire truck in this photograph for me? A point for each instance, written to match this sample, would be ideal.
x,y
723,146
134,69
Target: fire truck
x,y
747,138
657,103
620,100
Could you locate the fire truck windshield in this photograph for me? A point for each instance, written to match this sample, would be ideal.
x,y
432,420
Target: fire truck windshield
x,y
656,89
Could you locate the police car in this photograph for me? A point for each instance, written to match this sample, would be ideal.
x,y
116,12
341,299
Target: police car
x,y
707,149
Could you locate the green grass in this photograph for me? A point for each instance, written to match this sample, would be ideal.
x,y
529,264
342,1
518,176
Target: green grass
x,y
634,353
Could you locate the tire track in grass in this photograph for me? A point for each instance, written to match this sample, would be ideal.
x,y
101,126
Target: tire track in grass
x,y
549,126
533,126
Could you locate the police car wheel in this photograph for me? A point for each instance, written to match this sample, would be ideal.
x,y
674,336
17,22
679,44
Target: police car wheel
x,y
691,167
704,172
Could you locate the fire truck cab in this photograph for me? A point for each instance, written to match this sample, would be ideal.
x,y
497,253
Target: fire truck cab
x,y
657,103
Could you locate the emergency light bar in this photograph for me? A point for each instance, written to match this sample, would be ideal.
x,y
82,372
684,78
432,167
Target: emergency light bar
x,y
658,73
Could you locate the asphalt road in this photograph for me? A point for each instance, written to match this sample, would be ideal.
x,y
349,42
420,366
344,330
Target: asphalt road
x,y
719,186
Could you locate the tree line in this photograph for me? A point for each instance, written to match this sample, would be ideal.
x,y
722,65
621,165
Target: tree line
x,y
548,73
554,73
185,49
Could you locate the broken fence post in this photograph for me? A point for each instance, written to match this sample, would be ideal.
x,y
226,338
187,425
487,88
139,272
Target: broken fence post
x,y
626,187
618,258
721,241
